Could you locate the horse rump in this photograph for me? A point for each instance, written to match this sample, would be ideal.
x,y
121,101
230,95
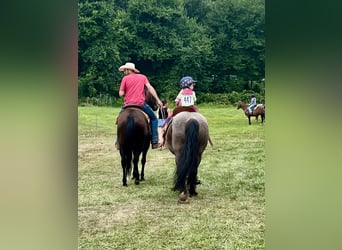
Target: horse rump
x,y
188,160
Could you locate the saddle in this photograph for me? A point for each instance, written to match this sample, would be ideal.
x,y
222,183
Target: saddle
x,y
176,111
251,111
254,108
179,109
136,107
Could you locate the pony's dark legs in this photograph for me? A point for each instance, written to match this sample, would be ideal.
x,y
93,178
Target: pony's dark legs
x,y
180,184
124,172
135,167
126,166
192,179
143,162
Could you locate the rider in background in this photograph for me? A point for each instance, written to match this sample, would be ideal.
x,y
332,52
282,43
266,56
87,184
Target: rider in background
x,y
252,104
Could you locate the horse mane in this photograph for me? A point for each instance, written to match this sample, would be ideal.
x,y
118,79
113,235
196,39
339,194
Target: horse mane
x,y
150,100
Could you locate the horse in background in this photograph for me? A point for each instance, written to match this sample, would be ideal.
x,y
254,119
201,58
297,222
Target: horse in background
x,y
187,136
134,136
258,110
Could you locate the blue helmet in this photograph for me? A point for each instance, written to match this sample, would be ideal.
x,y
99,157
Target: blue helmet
x,y
186,81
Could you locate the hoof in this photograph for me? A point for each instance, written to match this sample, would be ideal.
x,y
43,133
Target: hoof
x,y
136,182
183,198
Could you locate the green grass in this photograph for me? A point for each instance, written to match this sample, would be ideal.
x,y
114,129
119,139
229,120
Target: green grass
x,y
228,213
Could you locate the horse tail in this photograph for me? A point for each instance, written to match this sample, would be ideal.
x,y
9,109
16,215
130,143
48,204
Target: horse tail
x,y
189,157
129,135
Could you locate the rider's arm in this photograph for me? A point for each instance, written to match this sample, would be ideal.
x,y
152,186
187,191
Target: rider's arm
x,y
154,93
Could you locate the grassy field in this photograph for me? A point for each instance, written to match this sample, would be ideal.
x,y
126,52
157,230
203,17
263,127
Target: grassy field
x,y
228,213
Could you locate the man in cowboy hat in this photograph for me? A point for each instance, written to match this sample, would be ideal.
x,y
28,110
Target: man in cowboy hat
x,y
132,89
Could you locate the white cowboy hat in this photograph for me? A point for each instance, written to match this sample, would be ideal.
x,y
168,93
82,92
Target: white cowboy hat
x,y
129,65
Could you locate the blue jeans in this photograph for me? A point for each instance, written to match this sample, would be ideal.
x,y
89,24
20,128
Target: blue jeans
x,y
250,108
153,120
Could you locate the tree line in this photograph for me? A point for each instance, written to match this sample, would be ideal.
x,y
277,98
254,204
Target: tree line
x,y
221,44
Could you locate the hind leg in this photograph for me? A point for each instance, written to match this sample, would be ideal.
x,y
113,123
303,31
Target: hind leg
x,y
124,171
124,180
135,168
192,181
143,162
136,175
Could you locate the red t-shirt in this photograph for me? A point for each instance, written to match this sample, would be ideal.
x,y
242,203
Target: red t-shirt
x,y
133,86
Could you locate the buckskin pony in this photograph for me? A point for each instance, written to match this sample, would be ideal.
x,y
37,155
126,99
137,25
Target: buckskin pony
x,y
187,136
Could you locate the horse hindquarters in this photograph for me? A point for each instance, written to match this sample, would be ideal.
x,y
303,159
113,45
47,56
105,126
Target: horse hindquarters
x,y
188,159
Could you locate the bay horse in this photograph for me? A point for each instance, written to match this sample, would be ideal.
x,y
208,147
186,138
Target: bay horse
x,y
187,136
258,110
134,136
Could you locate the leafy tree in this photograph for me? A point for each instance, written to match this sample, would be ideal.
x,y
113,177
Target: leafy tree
x,y
98,46
167,44
237,28
219,43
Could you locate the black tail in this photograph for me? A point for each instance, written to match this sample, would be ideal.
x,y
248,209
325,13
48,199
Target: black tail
x,y
129,137
188,160
129,134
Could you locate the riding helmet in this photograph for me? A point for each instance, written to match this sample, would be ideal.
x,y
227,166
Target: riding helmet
x,y
186,81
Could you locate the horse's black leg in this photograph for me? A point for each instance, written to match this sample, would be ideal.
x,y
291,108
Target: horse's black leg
x,y
143,162
124,180
124,171
192,178
249,120
135,167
